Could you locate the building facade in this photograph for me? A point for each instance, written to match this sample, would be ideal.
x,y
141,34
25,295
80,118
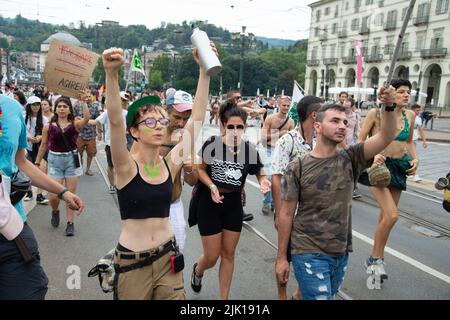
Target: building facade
x,y
424,56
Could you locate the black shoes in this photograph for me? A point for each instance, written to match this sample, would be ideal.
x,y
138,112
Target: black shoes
x,y
247,217
70,229
196,281
40,199
55,218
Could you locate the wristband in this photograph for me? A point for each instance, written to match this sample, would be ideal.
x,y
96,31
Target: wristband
x,y
60,195
212,186
37,164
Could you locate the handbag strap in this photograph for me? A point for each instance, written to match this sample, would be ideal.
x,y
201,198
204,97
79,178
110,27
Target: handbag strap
x,y
284,123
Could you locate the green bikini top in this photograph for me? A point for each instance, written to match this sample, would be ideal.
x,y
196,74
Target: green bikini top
x,y
404,134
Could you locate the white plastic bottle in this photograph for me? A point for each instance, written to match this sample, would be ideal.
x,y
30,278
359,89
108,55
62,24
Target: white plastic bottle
x,y
208,58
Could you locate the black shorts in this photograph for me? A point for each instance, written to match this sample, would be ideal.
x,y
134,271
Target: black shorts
x,y
20,280
108,156
213,217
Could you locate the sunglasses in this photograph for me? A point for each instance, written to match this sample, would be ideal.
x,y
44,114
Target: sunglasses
x,y
233,127
151,122
238,98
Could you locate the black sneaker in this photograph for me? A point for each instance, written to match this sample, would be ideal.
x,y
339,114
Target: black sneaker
x,y
356,194
70,229
196,281
247,217
40,199
28,196
55,218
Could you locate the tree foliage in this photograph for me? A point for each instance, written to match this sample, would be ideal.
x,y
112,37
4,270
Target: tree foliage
x,y
264,68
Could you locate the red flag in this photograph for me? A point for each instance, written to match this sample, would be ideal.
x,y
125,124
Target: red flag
x,y
359,67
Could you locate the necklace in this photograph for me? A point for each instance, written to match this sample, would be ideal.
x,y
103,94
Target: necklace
x,y
153,171
234,150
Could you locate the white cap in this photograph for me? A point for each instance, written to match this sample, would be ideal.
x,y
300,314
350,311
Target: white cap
x,y
33,99
124,95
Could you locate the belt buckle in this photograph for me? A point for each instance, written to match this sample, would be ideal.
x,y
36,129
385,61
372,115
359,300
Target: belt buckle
x,y
154,252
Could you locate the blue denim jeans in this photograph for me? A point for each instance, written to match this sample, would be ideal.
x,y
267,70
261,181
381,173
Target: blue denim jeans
x,y
319,276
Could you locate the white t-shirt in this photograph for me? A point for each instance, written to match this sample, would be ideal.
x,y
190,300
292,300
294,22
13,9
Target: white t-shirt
x,y
103,119
31,128
418,123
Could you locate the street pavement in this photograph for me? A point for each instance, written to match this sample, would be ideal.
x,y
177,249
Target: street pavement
x,y
417,262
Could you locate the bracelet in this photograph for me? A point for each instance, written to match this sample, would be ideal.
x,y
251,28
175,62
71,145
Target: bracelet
x,y
37,164
60,195
212,186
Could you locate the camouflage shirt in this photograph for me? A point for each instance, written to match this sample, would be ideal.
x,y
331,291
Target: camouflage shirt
x,y
324,191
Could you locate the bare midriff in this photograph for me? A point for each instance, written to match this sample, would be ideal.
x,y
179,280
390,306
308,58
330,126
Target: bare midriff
x,y
144,234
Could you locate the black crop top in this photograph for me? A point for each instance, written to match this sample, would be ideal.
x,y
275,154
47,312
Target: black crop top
x,y
141,200
226,169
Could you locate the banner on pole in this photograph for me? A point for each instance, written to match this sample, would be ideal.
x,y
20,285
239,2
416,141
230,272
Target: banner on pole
x,y
297,95
360,60
136,63
68,68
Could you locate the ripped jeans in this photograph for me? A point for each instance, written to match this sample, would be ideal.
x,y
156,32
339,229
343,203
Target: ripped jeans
x,y
319,276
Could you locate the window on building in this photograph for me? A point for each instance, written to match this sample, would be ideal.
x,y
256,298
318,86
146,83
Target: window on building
x,y
334,28
405,43
327,11
316,31
336,13
379,19
333,51
355,24
357,5
391,17
438,39
314,53
342,50
423,10
324,51
441,6
365,23
318,14
420,40
369,2
346,5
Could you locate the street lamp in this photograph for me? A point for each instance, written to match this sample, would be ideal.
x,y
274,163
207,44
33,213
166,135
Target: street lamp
x,y
243,45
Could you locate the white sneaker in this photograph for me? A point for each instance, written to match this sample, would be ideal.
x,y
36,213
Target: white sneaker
x,y
417,178
376,267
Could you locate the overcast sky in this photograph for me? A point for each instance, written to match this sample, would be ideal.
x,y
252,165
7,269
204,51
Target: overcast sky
x,y
284,19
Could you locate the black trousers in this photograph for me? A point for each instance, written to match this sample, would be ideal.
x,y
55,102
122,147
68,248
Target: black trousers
x,y
20,280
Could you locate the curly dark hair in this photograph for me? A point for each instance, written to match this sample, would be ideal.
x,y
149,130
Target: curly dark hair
x,y
230,109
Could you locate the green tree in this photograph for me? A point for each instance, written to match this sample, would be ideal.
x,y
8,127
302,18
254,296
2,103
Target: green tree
x,y
164,65
156,80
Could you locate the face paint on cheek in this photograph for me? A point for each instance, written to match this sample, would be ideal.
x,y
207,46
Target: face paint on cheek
x,y
147,130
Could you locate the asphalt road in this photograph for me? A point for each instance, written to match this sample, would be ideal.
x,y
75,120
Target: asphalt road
x,y
418,264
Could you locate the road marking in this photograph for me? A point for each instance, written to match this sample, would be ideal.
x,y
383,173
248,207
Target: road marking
x,y
439,144
395,253
406,259
419,196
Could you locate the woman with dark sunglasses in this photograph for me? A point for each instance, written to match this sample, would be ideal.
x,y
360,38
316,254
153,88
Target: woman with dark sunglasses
x,y
147,260
226,162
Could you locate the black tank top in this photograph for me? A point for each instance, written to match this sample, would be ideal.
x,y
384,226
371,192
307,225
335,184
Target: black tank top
x,y
141,200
